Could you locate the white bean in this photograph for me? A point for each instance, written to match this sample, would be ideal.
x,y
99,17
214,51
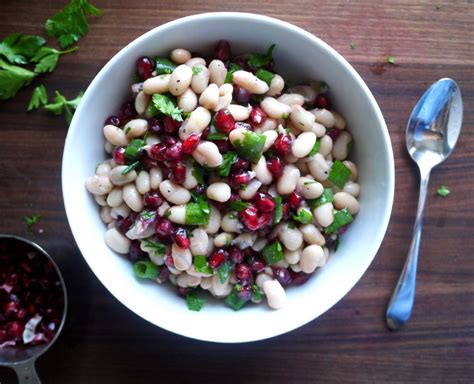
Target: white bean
x,y
295,268
311,257
276,85
339,122
261,278
195,61
325,145
261,171
353,168
309,188
245,240
218,289
292,257
352,188
163,209
114,199
185,280
132,197
180,79
187,101
311,234
180,55
324,214
195,123
319,167
269,124
157,84
174,193
303,144
237,135
143,182
275,294
190,181
117,178
116,241
156,176
340,149
141,102
318,129
292,238
251,190
239,112
219,192
208,151
324,117
344,200
273,108
104,213
224,101
291,99
135,128
218,72
115,135
270,137
99,185
209,97
259,244
302,165
200,81
177,214
214,222
182,258
223,239
108,147
101,200
103,169
250,82
230,223
282,264
287,182
301,118
306,91
206,282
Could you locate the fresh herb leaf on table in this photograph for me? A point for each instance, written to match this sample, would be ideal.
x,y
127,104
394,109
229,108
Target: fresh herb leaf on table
x,y
38,97
390,60
31,220
12,78
62,105
443,191
19,49
70,24
47,58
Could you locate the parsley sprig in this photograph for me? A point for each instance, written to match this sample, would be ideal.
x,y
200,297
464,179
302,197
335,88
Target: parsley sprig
x,y
61,105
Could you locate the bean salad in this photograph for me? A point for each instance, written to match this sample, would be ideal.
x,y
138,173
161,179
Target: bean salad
x,y
222,178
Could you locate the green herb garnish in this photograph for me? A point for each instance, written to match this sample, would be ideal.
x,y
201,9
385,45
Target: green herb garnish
x,y
353,45
273,253
195,215
132,151
131,167
213,136
341,218
70,24
339,174
304,216
194,302
38,97
443,191
155,247
230,72
229,158
19,49
198,173
252,146
12,78
239,205
146,270
315,149
390,60
326,197
201,265
62,105
224,271
278,212
265,76
31,220
234,301
167,106
257,60
47,58
256,294
164,66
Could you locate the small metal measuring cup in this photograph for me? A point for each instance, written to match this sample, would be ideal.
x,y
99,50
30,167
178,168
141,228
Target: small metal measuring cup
x,y
22,359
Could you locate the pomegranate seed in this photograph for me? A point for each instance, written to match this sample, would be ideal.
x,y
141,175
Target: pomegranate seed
x,y
169,262
334,133
240,165
246,293
257,265
264,202
112,120
265,219
243,273
10,309
294,200
164,228
144,67
181,238
286,210
155,125
123,224
190,144
299,278
257,116
205,133
249,217
275,166
224,121
119,155
178,173
175,151
236,181
164,274
322,101
152,200
236,255
135,253
222,50
217,258
282,144
241,95
282,275
158,152
147,162
170,125
127,112
168,140
15,330
223,145
21,314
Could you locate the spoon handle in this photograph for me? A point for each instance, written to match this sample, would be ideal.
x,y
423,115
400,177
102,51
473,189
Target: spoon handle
x,y
401,302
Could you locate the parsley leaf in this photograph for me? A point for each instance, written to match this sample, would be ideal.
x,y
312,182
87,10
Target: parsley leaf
x,y
31,220
166,106
304,216
278,212
47,58
341,218
70,24
339,174
257,60
18,49
12,78
194,302
224,271
239,205
38,97
201,265
154,247
353,45
443,191
229,158
62,105
390,60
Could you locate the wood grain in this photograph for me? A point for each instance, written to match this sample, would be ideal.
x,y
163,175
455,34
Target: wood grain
x,y
105,343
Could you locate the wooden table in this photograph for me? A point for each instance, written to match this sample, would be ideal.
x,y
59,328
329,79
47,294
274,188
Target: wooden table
x,y
105,343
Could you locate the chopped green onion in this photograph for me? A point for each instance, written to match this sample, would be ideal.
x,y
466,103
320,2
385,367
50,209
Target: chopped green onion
x,y
273,253
341,218
326,197
443,191
146,270
257,60
278,212
256,294
131,167
304,216
164,66
339,174
315,148
230,72
229,158
132,151
265,76
224,271
194,302
201,265
239,205
201,201
234,301
195,215
252,146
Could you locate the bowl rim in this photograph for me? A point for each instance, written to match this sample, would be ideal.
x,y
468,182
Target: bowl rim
x,y
376,241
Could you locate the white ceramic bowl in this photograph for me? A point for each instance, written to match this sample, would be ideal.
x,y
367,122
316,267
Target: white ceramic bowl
x,y
298,56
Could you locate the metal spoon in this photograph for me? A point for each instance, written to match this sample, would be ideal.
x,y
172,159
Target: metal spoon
x,y
432,132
